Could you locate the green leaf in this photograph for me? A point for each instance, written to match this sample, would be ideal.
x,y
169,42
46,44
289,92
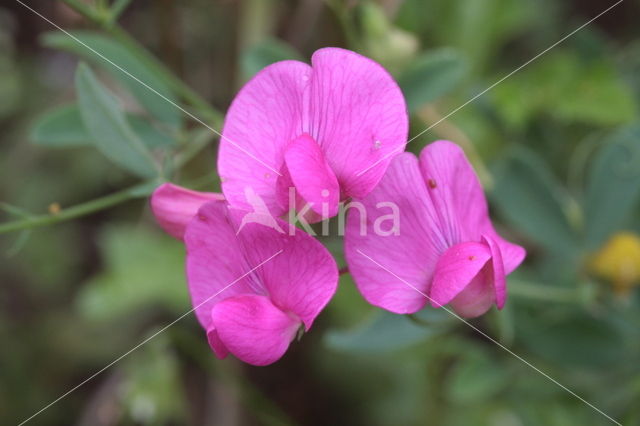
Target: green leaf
x,y
613,185
266,53
383,332
475,377
568,88
528,195
431,76
143,269
153,375
60,128
572,338
148,133
124,58
106,122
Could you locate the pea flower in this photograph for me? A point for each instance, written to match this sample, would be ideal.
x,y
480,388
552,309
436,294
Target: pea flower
x,y
312,128
253,288
174,206
445,246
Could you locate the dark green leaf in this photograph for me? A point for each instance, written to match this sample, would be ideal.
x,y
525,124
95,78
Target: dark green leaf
x,y
431,76
475,377
528,195
106,122
60,128
143,269
63,128
123,58
613,186
573,339
383,332
148,133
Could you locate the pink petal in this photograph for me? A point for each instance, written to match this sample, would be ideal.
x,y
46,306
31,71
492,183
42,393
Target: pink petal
x,y
218,348
455,269
358,115
253,329
174,206
498,271
407,260
458,196
477,297
215,260
266,114
312,177
301,279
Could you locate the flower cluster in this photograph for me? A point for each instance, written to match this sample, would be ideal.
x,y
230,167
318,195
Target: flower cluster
x,y
308,138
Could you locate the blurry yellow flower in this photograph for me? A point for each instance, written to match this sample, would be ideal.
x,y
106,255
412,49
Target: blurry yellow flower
x,y
618,261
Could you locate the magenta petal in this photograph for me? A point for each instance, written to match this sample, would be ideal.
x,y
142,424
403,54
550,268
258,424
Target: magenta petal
x,y
174,206
512,254
253,329
265,115
215,260
219,349
301,279
455,191
458,196
406,260
477,297
455,269
312,177
498,272
358,115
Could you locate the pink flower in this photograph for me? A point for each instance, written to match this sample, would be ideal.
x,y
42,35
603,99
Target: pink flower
x,y
252,288
445,246
313,128
174,206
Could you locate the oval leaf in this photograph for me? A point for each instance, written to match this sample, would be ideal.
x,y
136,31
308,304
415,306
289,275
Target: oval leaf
x,y
528,195
431,76
613,185
106,122
126,59
60,128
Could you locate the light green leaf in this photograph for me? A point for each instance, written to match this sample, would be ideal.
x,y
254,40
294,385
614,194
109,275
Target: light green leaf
x,y
143,269
475,377
431,76
106,122
383,332
148,133
568,88
124,58
572,338
266,53
60,128
528,195
613,185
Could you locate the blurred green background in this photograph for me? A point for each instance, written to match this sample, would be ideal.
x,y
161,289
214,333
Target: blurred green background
x,y
85,274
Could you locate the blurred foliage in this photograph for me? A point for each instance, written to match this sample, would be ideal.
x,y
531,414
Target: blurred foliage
x,y
559,141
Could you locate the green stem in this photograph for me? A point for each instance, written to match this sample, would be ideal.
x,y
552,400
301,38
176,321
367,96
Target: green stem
x,y
543,292
117,8
74,211
82,9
